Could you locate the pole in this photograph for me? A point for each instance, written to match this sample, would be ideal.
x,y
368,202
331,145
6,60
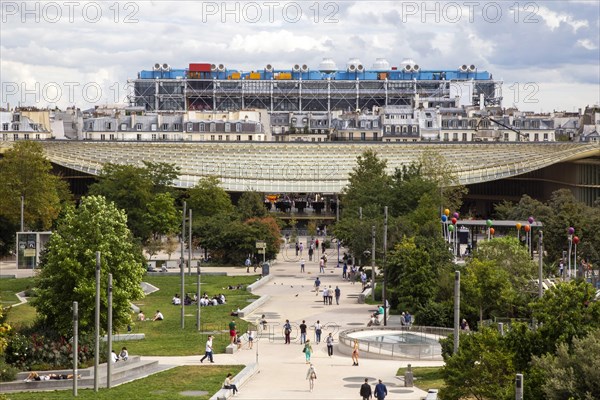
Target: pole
x,y
456,309
575,260
198,298
22,212
519,387
109,332
373,260
383,294
182,267
189,245
359,212
337,208
540,264
75,346
570,245
97,334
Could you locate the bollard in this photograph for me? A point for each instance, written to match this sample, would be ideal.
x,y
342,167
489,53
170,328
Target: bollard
x,y
408,377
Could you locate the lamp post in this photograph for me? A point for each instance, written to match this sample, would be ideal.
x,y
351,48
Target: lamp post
x,y
570,232
97,322
383,293
575,242
182,267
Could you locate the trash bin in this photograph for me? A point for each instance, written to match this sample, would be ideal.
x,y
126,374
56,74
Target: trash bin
x,y
265,269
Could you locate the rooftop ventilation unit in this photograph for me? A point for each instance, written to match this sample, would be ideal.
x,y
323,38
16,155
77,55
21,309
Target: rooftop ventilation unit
x,y
166,67
296,68
381,64
304,68
472,68
408,68
221,68
416,68
269,68
352,68
353,61
213,67
360,68
463,68
327,66
156,67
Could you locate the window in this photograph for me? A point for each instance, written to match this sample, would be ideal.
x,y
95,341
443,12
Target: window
x,y
404,129
35,127
374,135
220,137
212,137
201,127
363,136
455,136
109,126
375,123
351,136
250,137
176,127
397,130
111,136
153,127
388,129
227,127
464,136
5,127
446,136
139,136
227,138
545,137
16,136
154,136
165,136
165,127
536,137
472,123
213,127
37,136
445,123
414,129
190,127
4,136
238,137
363,123
15,127
102,136
138,127
26,136
430,124
506,137
238,127
123,127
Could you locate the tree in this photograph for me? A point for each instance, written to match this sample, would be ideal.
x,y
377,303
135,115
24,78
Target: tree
x,y
369,187
410,272
481,369
435,168
485,287
162,218
133,188
573,372
68,267
251,205
24,171
207,198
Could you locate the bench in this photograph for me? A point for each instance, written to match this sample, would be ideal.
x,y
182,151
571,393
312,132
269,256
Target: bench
x,y
240,379
363,296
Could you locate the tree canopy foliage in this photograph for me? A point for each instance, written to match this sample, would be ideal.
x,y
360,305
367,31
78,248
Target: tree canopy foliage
x,y
141,192
25,171
68,267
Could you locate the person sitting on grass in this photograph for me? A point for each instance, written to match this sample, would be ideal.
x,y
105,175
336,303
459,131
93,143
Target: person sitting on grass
x,y
158,316
124,354
34,376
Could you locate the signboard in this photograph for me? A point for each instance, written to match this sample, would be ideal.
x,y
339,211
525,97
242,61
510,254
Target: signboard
x,y
29,252
29,247
261,251
261,244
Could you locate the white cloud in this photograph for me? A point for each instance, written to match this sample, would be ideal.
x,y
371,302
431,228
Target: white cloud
x,y
587,44
554,19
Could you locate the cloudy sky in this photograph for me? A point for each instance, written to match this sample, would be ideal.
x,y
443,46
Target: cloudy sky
x,y
65,52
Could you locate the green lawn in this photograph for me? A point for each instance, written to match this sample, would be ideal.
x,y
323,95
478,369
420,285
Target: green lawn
x,y
8,288
166,337
425,377
165,385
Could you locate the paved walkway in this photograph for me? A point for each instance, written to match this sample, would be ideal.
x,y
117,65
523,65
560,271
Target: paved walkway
x,y
282,366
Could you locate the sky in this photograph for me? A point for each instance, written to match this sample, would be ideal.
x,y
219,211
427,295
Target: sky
x,y
61,53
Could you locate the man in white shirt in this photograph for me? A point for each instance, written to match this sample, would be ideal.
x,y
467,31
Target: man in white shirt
x,y
158,316
208,351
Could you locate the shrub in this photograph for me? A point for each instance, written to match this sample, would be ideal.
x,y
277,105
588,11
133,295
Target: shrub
x,y
8,373
39,352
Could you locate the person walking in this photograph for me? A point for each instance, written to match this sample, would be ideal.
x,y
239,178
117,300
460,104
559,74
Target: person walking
x,y
311,375
208,351
330,295
318,331
322,265
287,330
329,341
250,339
365,390
380,391
248,264
355,353
345,271
302,265
303,332
307,350
325,295
338,292
317,285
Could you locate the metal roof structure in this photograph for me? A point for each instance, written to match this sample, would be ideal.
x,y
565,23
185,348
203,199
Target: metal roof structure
x,y
279,167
